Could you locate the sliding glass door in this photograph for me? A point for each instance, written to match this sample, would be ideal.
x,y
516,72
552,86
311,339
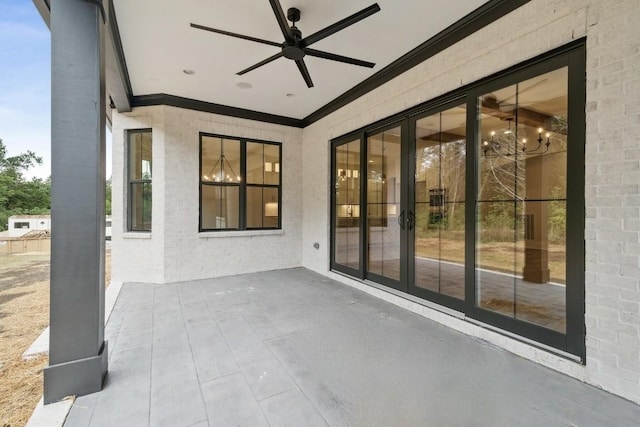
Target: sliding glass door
x,y
438,200
521,209
386,216
346,212
475,202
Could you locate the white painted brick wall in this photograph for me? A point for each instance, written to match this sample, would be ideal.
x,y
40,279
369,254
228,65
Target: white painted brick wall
x,y
135,259
612,283
613,183
176,251
188,255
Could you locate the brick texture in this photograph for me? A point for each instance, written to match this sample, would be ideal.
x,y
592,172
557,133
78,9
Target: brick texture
x,y
175,250
612,193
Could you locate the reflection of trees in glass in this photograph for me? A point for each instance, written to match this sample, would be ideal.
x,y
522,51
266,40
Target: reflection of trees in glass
x,y
146,169
504,166
146,205
557,216
503,174
559,125
509,178
498,223
441,167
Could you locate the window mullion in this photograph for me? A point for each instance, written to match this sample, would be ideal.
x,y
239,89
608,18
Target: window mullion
x,y
243,185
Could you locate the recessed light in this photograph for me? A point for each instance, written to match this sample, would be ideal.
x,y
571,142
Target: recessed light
x,y
290,95
188,71
244,85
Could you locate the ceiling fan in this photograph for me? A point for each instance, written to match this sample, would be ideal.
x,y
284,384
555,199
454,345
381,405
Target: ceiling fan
x,y
294,46
507,105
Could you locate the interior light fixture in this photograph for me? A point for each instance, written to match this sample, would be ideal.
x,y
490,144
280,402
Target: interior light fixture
x,y
508,144
272,167
217,172
343,174
271,209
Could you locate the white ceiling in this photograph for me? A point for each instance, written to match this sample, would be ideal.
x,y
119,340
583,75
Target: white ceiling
x,y
159,44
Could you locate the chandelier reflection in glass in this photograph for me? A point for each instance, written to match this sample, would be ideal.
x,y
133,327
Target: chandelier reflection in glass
x,y
507,144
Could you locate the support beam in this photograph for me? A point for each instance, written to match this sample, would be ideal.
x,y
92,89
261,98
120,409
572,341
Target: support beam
x,y
117,75
43,9
534,119
77,350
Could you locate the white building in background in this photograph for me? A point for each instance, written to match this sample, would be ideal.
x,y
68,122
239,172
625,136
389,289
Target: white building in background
x,y
19,225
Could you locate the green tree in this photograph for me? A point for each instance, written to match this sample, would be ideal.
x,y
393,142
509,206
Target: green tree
x,y
18,195
107,203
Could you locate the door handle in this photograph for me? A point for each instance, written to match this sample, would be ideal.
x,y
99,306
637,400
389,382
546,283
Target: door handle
x,y
410,220
401,220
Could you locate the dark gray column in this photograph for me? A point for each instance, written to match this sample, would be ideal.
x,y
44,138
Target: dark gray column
x,y
77,350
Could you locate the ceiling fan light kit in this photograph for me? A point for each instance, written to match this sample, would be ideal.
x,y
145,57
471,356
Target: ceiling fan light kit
x,y
294,46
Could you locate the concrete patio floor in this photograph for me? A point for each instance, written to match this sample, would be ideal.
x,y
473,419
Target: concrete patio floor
x,y
292,347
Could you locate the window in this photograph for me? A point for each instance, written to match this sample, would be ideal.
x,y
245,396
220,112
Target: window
x,y
521,203
346,214
21,225
474,201
139,154
240,184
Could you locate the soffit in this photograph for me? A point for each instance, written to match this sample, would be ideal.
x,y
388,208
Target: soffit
x,y
158,44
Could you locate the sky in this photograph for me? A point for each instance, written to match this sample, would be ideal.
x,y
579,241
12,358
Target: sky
x,y
25,84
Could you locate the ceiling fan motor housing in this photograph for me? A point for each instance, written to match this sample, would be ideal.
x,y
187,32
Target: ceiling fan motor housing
x,y
293,15
292,49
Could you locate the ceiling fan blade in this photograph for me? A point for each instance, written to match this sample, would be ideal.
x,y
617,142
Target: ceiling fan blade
x,y
340,25
339,58
305,73
282,19
240,36
261,63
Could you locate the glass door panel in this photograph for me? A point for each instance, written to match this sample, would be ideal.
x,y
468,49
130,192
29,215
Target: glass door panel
x,y
439,192
385,221
347,205
521,204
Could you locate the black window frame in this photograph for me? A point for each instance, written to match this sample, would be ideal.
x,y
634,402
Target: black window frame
x,y
20,225
131,182
242,185
334,265
571,344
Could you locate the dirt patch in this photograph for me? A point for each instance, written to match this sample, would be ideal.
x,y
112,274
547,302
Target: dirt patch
x,y
24,314
493,255
31,272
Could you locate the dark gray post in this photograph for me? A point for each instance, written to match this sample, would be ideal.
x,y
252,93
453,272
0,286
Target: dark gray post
x,y
77,350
